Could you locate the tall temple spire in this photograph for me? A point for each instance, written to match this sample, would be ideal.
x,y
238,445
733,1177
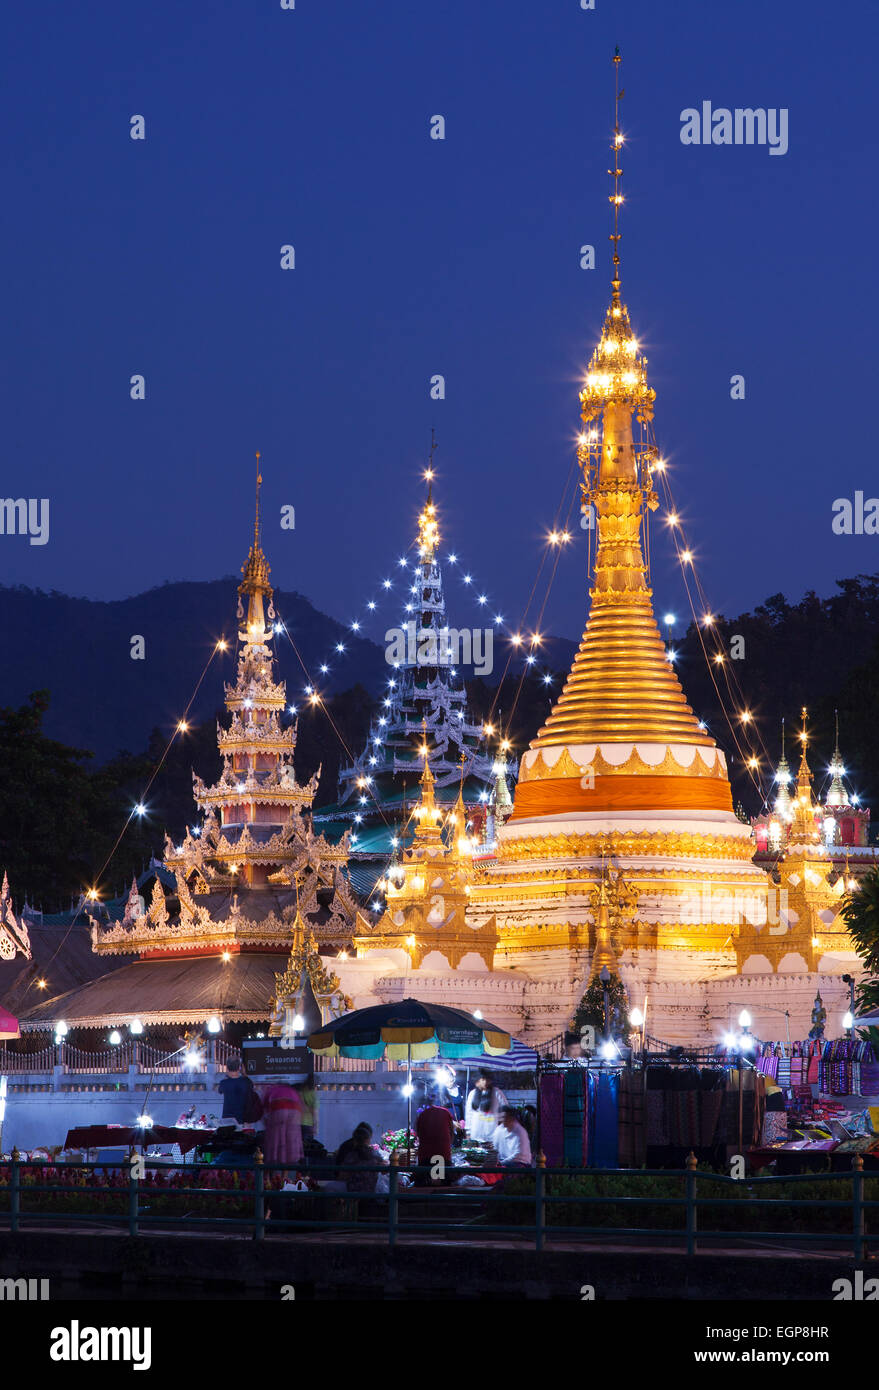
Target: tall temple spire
x,y
837,794
427,815
255,584
621,685
803,829
616,172
423,684
782,778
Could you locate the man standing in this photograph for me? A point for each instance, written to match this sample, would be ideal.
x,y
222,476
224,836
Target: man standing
x,y
235,1089
434,1127
511,1141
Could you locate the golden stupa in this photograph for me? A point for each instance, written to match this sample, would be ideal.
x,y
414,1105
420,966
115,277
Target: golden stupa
x,y
623,774
622,849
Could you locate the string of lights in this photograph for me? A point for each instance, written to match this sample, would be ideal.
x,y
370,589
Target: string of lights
x,y
139,809
703,623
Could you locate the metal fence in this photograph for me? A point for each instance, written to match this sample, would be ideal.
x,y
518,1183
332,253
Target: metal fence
x,y
109,1061
134,1204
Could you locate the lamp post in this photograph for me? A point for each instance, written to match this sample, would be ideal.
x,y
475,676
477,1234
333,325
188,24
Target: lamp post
x,y
636,1018
744,1024
850,981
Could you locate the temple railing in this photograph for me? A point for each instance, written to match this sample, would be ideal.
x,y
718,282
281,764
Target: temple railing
x,y
113,1061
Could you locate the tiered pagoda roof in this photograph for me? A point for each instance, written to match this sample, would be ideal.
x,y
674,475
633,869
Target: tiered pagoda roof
x,y
425,690
246,881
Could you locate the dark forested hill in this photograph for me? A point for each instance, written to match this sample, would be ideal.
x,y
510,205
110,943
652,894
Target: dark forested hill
x,y
80,651
60,810
820,652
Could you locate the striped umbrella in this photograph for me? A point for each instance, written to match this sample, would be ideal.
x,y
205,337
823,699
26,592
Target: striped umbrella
x,y
409,1030
519,1058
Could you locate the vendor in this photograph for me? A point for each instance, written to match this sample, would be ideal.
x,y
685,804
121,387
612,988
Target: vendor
x,y
483,1108
510,1140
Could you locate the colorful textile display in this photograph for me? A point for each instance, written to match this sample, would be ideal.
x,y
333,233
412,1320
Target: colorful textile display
x,y
575,1115
603,1124
632,1128
551,1125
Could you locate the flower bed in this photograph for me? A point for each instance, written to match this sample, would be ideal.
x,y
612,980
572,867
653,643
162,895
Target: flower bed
x,y
745,1216
104,1192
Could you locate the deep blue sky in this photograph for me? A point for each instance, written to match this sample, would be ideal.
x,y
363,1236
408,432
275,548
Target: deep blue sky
x,y
266,126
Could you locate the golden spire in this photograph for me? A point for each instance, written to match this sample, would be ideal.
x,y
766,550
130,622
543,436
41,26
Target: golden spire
x,y
255,583
428,826
460,812
803,828
458,840
622,686
616,173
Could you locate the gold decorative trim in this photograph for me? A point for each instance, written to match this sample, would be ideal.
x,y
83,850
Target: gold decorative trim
x,y
565,766
610,845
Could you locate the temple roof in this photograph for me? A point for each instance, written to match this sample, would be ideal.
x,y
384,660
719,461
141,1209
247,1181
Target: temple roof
x,y
183,990
63,954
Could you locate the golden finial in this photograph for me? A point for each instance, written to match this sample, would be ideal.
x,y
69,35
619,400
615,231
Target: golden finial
x,y
428,472
255,584
256,517
616,173
428,531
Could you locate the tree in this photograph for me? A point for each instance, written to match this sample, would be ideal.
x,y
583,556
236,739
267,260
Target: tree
x,y
59,820
860,912
590,1010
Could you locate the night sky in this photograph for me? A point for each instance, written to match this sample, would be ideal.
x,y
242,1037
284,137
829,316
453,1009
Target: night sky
x,y
311,127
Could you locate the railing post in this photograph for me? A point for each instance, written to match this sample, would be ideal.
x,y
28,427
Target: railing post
x,y
692,1163
539,1194
858,1206
14,1193
259,1206
133,1187
393,1214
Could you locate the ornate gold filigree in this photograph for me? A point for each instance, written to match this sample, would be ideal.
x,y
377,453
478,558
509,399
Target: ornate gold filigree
x,y
542,769
619,844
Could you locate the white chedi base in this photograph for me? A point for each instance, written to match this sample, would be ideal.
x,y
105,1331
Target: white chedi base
x,y
693,997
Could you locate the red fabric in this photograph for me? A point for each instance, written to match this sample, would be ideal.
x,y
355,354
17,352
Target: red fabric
x,y
283,1139
434,1130
281,1097
122,1136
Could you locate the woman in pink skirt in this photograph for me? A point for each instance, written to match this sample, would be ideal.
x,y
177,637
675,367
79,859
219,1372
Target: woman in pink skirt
x,y
282,1112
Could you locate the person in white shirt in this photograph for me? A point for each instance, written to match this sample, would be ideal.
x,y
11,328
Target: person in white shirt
x,y
483,1108
511,1141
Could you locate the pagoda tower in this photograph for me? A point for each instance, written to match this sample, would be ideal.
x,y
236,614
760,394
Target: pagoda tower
x,y
256,836
425,689
428,889
251,883
622,772
809,891
622,848
836,793
783,780
842,820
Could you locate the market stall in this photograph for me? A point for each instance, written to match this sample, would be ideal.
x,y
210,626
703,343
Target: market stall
x,y
410,1031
